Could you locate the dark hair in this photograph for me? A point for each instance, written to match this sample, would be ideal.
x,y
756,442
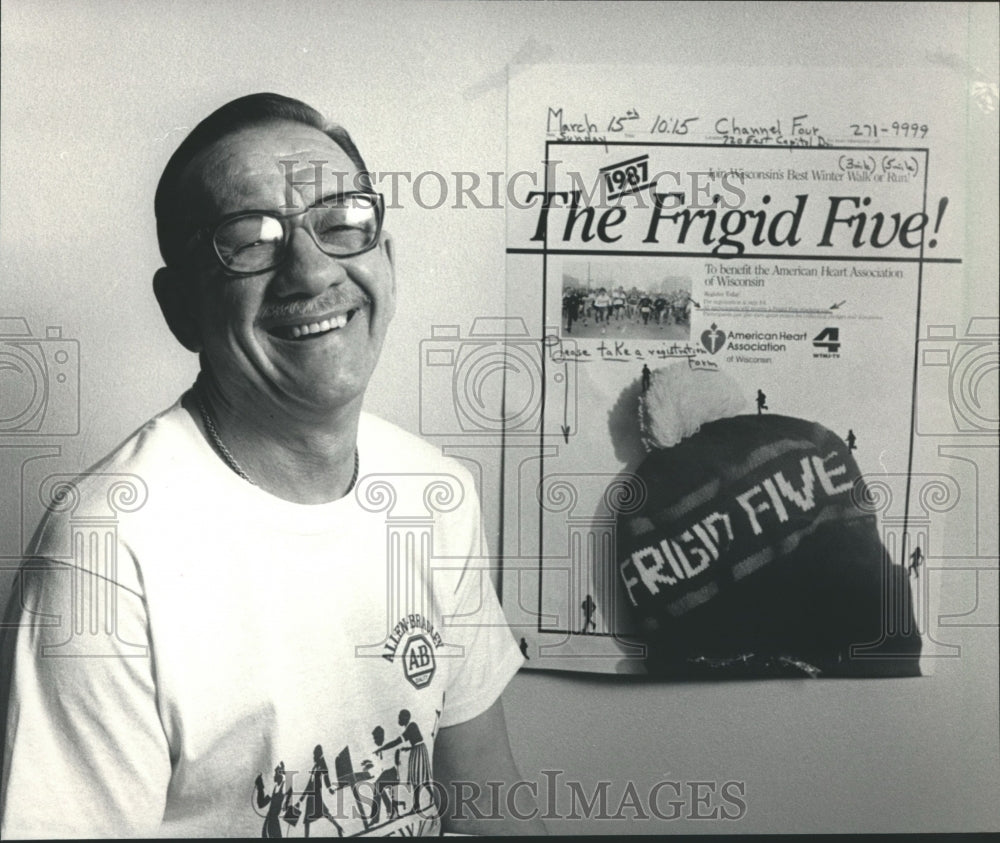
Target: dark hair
x,y
172,219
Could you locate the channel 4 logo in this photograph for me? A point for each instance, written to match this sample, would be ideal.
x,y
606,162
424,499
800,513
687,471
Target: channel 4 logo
x,y
39,381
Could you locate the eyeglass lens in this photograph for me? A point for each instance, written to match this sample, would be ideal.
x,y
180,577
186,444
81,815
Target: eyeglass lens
x,y
345,226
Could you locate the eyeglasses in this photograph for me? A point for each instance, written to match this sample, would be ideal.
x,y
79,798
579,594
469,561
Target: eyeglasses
x,y
341,225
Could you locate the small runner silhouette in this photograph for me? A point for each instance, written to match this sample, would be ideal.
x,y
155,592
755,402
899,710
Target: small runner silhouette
x,y
588,607
319,777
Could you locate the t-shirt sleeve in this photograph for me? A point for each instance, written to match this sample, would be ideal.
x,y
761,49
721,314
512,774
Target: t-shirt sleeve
x,y
84,751
489,654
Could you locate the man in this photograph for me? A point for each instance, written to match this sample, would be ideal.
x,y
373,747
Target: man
x,y
659,306
645,306
602,304
248,582
618,304
632,304
571,307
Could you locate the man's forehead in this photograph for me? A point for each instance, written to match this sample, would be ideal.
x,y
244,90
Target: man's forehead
x,y
270,166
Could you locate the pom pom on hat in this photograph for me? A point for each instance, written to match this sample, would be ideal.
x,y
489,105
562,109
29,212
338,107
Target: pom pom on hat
x,y
680,399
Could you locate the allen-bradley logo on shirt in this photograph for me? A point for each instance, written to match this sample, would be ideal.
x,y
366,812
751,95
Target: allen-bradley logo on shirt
x,y
413,640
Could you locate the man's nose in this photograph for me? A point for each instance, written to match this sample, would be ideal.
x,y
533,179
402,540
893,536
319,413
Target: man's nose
x,y
306,270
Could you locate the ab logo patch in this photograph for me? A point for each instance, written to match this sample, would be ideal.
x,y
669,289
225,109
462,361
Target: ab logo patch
x,y
418,661
413,641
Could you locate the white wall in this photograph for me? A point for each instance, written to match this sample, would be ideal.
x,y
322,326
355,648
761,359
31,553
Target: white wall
x,y
96,95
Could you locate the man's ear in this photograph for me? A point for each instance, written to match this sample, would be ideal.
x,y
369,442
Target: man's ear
x,y
174,297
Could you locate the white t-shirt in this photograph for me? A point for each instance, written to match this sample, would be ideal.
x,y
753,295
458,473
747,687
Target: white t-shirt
x,y
183,632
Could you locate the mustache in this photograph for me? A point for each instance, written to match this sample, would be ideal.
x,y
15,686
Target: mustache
x,y
312,307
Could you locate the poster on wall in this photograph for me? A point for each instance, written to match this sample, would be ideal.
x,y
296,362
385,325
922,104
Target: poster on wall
x,y
717,297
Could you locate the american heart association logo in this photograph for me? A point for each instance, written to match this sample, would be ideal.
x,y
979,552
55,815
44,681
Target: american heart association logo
x,y
713,339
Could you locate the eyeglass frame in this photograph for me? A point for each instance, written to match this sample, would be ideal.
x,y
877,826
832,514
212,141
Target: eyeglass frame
x,y
286,230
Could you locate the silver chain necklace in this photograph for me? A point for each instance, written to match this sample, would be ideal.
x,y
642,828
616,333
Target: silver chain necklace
x,y
230,460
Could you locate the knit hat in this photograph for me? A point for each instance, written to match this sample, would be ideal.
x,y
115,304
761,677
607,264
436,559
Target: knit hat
x,y
753,553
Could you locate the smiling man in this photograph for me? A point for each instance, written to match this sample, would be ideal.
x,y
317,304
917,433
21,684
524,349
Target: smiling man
x,y
250,610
